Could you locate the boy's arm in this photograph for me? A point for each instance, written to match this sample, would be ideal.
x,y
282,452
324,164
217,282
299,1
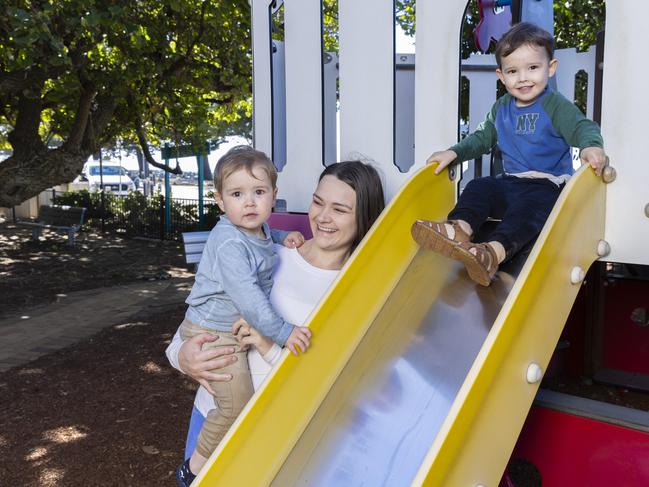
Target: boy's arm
x,y
482,140
577,130
239,277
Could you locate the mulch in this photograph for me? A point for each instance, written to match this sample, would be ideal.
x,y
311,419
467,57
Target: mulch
x,y
108,410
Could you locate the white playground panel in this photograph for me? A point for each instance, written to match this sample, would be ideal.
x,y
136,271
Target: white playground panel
x,y
367,99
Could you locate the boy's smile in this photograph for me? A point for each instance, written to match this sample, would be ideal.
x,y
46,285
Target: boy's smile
x,y
247,199
525,73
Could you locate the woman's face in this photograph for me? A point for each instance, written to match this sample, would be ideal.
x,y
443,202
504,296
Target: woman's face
x,y
332,214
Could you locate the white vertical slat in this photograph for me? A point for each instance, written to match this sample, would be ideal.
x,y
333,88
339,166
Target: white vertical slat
x,y
624,113
261,70
304,100
436,76
367,83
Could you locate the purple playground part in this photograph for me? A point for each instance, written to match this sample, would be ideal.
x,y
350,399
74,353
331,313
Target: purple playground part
x,y
495,20
290,222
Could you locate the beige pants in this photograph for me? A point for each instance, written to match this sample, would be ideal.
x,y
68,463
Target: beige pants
x,y
230,397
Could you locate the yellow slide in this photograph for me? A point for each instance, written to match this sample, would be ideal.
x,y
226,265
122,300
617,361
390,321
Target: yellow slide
x,y
416,376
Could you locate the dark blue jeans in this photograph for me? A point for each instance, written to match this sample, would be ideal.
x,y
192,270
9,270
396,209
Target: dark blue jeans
x,y
523,205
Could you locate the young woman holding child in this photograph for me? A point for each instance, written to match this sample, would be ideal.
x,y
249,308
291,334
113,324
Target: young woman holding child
x,y
347,201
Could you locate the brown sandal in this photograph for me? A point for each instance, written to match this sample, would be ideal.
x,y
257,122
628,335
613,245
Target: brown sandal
x,y
482,265
433,236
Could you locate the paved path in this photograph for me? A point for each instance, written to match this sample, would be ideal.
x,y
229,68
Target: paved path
x,y
75,316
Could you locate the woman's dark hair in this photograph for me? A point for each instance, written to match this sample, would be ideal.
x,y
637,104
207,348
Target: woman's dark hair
x,y
522,34
365,181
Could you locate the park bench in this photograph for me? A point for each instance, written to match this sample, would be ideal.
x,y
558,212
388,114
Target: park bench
x,y
194,242
61,219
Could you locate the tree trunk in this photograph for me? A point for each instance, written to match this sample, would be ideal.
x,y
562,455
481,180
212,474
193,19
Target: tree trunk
x,y
23,178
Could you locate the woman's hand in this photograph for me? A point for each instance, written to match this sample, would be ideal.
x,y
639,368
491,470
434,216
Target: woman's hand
x,y
202,365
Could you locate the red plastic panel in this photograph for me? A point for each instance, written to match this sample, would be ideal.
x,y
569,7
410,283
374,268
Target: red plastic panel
x,y
574,451
291,221
626,344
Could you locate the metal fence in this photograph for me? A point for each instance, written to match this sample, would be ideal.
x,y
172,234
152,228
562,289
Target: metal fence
x,y
142,216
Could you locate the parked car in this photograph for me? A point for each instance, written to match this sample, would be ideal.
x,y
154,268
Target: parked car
x,y
115,178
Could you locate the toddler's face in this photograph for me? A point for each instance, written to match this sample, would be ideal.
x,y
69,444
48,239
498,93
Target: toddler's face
x,y
525,73
247,199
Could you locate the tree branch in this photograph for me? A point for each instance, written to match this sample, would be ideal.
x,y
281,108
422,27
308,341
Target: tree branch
x,y
80,121
100,117
141,137
17,81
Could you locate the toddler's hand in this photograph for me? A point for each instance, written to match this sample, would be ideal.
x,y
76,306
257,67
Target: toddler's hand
x,y
293,240
299,340
443,158
257,340
241,329
596,157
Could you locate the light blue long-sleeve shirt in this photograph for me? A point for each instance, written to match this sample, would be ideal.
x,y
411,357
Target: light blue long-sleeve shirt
x,y
234,279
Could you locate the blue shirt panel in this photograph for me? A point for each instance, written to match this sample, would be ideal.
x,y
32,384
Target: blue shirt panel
x,y
529,141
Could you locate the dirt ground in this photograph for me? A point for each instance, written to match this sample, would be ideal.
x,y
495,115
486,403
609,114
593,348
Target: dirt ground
x,y
34,273
108,410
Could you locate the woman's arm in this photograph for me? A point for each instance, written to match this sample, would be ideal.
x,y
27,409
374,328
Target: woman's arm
x,y
201,365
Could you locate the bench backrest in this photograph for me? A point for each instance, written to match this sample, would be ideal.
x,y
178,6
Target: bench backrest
x,y
195,241
61,216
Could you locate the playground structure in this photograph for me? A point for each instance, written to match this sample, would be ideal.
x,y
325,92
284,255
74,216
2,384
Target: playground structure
x,y
430,381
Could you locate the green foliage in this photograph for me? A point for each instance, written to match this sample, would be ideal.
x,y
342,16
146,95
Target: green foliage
x,y
136,214
84,199
183,67
577,22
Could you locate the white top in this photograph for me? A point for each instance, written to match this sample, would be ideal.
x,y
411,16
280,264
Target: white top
x,y
297,289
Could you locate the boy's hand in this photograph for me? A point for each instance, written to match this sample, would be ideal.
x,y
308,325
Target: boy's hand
x,y
299,340
293,240
595,156
443,158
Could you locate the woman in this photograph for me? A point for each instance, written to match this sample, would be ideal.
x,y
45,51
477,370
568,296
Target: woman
x,y
346,202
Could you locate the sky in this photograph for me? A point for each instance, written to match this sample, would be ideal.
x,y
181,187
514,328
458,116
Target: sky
x,y
404,45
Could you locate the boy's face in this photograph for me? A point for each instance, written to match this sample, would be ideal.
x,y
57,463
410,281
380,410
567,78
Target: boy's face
x,y
525,73
247,200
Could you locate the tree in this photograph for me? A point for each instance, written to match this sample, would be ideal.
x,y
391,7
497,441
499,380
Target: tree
x,y
76,75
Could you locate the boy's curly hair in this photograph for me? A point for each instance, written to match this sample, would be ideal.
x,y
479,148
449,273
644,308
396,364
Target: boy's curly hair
x,y
521,34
